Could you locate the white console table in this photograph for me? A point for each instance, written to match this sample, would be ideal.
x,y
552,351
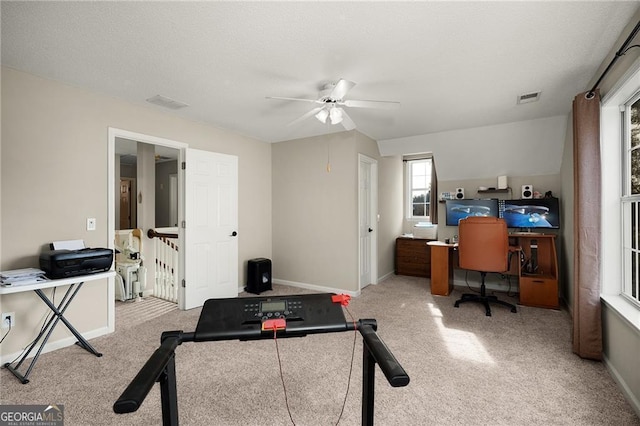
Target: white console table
x,y
74,283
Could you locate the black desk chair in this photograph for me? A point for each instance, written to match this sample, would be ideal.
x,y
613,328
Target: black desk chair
x,y
483,246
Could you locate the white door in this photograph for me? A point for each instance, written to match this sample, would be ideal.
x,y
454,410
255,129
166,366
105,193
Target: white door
x,y
367,208
211,228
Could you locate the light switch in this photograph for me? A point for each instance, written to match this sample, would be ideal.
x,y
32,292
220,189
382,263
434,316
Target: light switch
x,y
91,224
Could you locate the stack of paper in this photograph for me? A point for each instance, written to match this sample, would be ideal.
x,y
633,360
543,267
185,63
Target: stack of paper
x,y
22,276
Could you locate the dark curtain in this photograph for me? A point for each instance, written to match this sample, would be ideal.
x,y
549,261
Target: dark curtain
x,y
433,198
587,324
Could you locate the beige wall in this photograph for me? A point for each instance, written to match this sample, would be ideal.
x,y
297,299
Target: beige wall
x,y
391,210
54,176
315,212
621,345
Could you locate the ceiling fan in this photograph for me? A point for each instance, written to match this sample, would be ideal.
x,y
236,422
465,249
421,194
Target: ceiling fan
x,y
332,99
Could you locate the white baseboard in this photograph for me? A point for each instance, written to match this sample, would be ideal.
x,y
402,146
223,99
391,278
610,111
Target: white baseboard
x,y
631,398
314,287
384,277
58,344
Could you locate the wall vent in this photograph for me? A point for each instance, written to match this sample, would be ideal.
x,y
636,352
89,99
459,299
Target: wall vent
x,y
529,97
166,102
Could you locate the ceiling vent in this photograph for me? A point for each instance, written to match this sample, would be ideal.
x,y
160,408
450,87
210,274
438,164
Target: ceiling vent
x,y
163,101
529,97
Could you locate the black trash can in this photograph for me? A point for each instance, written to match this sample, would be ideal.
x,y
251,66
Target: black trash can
x,y
258,275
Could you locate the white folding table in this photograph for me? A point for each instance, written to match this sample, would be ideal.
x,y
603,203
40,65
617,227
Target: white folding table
x,y
75,284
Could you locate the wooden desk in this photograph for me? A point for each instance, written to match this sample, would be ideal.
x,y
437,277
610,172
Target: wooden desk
x,y
538,285
412,257
441,267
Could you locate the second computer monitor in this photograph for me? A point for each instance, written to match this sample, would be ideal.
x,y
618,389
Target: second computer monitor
x,y
534,213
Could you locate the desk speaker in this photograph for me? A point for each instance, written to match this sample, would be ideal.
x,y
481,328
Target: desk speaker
x,y
459,193
527,191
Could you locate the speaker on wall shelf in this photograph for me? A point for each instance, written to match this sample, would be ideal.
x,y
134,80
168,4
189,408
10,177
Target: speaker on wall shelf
x,y
527,191
459,193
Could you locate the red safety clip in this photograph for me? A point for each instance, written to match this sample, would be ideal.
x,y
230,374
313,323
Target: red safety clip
x,y
342,299
274,324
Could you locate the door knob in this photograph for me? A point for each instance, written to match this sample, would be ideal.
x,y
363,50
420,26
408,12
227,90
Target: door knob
x,y
370,230
234,233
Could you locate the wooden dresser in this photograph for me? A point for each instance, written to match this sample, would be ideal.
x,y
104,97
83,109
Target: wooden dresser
x,y
413,257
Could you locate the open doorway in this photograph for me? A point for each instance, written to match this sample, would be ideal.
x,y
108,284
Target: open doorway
x,y
145,229
207,200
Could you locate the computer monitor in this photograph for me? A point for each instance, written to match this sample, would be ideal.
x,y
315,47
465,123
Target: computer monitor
x,y
533,213
460,209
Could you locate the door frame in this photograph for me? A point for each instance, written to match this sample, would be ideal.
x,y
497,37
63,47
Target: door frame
x,y
114,133
373,219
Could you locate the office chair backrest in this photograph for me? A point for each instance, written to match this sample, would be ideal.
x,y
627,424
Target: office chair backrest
x,y
483,244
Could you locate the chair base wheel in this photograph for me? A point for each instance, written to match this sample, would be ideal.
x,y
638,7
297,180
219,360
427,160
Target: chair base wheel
x,y
485,300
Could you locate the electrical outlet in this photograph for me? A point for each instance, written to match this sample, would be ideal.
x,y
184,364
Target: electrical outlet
x,y
91,224
8,318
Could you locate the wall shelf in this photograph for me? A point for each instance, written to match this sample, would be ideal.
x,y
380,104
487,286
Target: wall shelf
x,y
491,191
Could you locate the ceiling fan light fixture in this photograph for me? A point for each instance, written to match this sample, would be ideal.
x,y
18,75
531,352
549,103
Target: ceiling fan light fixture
x,y
322,115
335,115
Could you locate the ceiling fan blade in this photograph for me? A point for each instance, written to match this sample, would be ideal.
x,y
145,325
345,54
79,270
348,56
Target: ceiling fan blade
x,y
371,104
305,116
347,122
292,99
341,88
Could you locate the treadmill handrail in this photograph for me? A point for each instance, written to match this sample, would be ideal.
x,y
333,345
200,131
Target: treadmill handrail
x,y
134,395
393,371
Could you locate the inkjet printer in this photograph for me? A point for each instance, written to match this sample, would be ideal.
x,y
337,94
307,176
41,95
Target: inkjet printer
x,y
64,263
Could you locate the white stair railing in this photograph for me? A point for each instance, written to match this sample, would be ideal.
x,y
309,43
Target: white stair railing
x,y
166,254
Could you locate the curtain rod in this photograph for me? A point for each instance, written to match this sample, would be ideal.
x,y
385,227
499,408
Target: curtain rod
x,y
619,53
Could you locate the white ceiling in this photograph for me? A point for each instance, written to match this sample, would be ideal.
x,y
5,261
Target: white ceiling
x,y
451,65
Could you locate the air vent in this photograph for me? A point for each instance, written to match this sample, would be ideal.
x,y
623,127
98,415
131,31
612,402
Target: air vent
x,y
163,101
529,97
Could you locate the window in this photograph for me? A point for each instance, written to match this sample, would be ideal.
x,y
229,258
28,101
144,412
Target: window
x,y
620,209
631,199
418,186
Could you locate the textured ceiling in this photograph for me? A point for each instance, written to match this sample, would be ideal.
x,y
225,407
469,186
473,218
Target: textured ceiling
x,y
451,65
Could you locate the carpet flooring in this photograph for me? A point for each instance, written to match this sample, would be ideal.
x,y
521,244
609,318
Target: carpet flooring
x,y
465,369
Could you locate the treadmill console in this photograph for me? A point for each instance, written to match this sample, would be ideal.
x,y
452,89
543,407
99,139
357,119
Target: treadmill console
x,y
263,310
243,317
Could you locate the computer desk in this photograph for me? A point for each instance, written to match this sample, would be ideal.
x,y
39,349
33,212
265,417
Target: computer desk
x,y
538,287
75,284
443,262
441,267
